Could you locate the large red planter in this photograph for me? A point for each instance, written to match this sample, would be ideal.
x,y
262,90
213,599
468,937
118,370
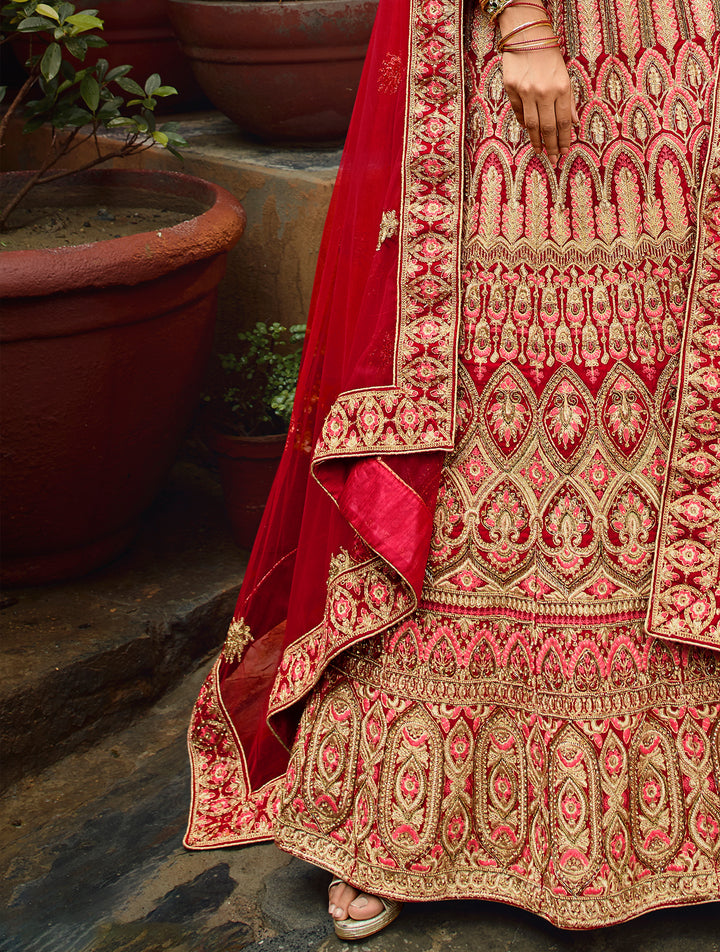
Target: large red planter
x,y
139,32
103,350
247,466
283,71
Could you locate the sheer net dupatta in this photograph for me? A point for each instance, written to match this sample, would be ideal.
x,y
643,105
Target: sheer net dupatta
x,y
685,598
343,544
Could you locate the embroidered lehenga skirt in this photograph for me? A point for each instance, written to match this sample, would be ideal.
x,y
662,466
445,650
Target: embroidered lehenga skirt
x,y
520,737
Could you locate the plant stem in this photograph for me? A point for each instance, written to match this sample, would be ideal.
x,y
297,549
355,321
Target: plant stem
x,y
13,107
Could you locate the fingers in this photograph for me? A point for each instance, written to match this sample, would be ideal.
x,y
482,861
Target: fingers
x,y
532,126
517,107
549,131
564,109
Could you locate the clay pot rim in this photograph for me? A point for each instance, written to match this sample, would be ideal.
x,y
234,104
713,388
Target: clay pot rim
x,y
43,271
236,446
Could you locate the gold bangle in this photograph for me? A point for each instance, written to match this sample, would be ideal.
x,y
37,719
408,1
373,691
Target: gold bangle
x,y
521,29
527,46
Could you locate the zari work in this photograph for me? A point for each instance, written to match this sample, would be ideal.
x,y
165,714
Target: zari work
x,y
520,737
510,731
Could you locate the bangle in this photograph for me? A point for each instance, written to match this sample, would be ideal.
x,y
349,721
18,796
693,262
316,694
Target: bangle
x,y
502,43
493,8
527,46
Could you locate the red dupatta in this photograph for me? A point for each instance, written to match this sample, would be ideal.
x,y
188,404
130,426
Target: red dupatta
x,y
342,549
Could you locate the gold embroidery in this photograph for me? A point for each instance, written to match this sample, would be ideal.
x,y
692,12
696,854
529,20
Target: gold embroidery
x,y
238,638
372,421
389,225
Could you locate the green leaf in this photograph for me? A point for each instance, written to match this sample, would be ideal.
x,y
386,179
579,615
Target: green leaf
x,y
50,63
119,121
95,42
130,86
81,23
117,71
47,11
76,46
160,138
3,91
71,116
163,91
90,92
32,25
152,83
34,123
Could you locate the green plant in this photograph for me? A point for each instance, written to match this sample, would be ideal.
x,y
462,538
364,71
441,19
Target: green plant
x,y
76,103
262,378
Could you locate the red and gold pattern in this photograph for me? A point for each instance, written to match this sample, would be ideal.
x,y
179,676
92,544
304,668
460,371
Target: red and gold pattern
x,y
520,736
387,419
571,771
517,735
685,603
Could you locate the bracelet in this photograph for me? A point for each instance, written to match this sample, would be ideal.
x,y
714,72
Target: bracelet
x,y
527,3
493,8
502,43
527,46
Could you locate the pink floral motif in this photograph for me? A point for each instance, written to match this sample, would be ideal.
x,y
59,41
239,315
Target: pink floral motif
x,y
537,474
602,588
508,412
566,418
626,414
598,473
652,793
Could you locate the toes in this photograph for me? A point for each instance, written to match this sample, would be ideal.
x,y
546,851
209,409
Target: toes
x,y
342,896
365,907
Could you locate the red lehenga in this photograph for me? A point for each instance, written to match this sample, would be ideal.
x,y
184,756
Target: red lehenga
x,y
501,474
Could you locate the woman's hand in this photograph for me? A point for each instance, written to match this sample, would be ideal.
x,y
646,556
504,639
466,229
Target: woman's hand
x,y
538,84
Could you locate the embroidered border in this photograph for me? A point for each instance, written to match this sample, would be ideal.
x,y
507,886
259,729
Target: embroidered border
x,y
685,597
224,811
363,599
387,419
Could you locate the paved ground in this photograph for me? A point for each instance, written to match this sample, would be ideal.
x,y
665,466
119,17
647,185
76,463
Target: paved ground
x,y
92,861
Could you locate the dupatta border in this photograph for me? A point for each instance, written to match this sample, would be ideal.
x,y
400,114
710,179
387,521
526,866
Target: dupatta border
x,y
417,411
685,595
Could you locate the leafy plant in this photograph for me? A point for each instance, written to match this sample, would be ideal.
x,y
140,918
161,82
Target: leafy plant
x,y
76,102
262,378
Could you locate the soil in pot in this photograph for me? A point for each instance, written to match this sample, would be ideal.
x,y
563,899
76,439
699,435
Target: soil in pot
x,y
52,227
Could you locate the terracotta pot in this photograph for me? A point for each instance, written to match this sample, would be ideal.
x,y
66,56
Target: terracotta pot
x,y
104,347
139,32
247,465
285,72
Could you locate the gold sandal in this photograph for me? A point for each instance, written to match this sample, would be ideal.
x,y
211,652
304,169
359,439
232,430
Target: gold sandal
x,y
362,928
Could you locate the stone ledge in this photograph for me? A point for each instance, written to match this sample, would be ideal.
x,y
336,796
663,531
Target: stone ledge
x,y
82,658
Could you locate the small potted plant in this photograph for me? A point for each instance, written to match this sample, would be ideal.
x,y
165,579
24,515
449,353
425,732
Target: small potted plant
x,y
248,426
104,342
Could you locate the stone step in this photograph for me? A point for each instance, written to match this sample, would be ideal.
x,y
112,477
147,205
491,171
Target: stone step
x,y
82,658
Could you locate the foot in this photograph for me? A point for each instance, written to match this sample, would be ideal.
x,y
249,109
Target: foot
x,y
347,902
